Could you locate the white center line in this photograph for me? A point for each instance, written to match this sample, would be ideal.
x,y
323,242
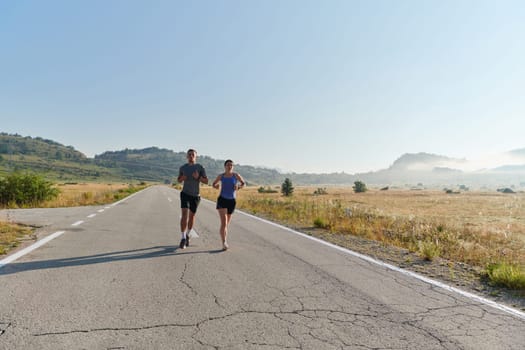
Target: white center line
x,y
77,223
92,215
101,210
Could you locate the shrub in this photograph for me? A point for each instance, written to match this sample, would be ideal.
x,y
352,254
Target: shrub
x,y
25,189
266,190
320,191
320,223
359,187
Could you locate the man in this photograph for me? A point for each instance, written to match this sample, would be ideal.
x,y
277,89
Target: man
x,y
192,174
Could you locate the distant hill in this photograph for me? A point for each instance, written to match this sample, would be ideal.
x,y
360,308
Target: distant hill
x,y
64,163
423,161
162,165
49,158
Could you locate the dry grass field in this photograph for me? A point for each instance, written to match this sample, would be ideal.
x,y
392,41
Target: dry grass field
x,y
87,194
478,228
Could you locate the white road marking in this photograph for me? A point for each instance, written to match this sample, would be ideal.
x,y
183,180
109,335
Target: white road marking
x,y
92,215
101,210
430,281
29,249
44,240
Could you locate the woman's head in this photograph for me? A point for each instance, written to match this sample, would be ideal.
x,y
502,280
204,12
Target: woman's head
x,y
228,164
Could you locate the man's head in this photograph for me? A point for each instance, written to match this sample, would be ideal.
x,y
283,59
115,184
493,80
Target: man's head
x,y
191,155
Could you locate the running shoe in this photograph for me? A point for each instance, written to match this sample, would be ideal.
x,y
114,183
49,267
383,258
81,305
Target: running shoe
x,y
187,241
225,246
182,244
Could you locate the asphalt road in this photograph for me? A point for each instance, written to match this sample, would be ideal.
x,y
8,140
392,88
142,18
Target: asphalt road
x,y
114,278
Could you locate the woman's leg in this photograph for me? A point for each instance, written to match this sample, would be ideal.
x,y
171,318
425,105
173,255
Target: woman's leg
x,y
223,215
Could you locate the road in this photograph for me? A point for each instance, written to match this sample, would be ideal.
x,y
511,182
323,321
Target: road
x,y
114,278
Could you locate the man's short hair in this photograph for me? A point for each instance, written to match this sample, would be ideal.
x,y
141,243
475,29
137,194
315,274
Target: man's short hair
x,y
191,150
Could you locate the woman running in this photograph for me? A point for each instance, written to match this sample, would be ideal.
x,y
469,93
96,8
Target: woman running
x,y
230,182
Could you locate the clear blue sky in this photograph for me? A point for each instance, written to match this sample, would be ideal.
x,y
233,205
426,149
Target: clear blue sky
x,y
304,86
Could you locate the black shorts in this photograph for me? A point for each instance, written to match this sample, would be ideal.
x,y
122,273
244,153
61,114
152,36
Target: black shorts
x,y
191,202
225,203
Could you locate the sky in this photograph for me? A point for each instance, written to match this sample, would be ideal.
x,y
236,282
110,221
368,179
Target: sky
x,y
297,85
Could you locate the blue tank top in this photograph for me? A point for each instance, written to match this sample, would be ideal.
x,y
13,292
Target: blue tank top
x,y
228,186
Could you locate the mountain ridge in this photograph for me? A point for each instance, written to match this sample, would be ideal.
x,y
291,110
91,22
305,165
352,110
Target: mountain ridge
x,y
65,163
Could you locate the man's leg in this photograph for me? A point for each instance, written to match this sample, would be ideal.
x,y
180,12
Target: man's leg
x,y
183,226
184,219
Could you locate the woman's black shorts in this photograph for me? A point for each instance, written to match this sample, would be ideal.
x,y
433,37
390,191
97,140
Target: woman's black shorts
x,y
225,203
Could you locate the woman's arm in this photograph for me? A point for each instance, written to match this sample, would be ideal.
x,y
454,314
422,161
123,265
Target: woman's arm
x,y
216,182
240,179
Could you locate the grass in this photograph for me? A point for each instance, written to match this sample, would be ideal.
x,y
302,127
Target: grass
x,y
511,276
71,195
11,235
477,228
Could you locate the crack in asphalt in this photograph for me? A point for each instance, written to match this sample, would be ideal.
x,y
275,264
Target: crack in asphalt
x,y
183,280
324,326
113,329
332,324
4,326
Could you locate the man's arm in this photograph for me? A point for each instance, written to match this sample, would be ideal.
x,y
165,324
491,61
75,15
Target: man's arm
x,y
181,176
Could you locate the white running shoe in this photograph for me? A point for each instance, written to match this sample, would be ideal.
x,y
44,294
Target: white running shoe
x,y
225,246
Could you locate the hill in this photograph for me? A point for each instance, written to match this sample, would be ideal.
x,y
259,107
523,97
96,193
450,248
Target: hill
x,y
63,163
49,158
162,165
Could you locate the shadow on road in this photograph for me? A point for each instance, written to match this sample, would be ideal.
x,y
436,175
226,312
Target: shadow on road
x,y
144,253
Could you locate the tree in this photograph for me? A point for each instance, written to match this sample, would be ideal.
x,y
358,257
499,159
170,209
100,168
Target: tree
x,y
287,187
359,186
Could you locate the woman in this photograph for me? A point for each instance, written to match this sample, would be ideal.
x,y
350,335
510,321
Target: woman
x,y
230,182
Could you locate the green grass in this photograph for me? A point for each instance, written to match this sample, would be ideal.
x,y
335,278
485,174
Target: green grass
x,y
507,275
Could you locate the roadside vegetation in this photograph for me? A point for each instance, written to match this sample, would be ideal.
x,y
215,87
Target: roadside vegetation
x,y
27,190
11,235
486,230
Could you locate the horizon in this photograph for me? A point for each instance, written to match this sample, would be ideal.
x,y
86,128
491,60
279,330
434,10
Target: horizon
x,y
298,86
465,165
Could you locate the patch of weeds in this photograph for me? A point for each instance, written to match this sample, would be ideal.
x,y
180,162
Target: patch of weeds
x,y
429,250
320,223
508,275
11,235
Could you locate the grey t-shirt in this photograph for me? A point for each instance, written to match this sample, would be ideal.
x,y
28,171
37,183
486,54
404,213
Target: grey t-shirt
x,y
191,186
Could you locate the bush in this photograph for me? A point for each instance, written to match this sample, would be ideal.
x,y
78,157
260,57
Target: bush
x,y
266,190
320,191
359,187
320,223
25,189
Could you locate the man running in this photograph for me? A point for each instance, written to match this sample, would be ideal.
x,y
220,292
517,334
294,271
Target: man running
x,y
192,174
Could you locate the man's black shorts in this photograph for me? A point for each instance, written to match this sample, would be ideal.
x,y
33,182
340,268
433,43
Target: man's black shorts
x,y
191,202
225,203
